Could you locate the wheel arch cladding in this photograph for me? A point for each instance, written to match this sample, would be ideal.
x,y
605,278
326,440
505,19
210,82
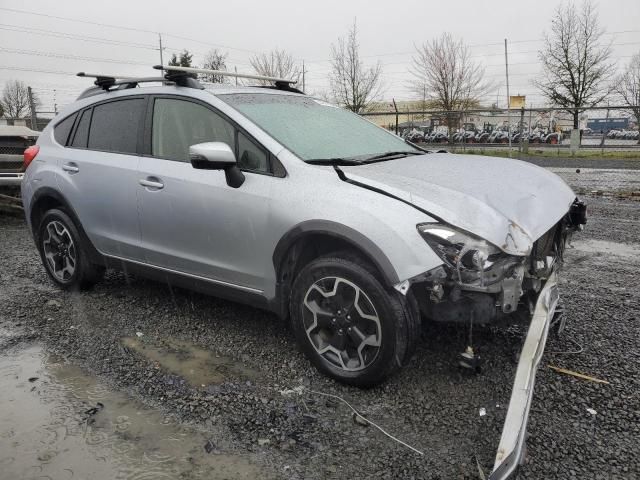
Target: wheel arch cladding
x,y
316,232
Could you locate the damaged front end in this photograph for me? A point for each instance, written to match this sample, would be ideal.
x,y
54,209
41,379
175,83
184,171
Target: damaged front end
x,y
478,282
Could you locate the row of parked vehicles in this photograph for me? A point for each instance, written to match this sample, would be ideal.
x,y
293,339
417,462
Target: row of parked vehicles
x,y
624,134
471,136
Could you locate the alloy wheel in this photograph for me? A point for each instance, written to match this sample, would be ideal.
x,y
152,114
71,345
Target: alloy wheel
x,y
341,323
59,250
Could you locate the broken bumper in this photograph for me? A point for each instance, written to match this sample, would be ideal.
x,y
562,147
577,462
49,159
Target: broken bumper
x,y
511,450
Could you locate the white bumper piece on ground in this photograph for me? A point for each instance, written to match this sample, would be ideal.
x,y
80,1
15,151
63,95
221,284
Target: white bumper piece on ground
x,y
511,450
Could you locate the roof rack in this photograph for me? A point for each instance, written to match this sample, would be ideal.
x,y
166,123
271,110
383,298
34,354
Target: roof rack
x,y
107,83
181,76
173,72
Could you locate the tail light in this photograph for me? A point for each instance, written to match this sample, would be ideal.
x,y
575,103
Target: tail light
x,y
29,154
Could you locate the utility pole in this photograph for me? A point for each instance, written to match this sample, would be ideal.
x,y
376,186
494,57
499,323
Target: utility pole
x,y
303,75
32,107
506,66
395,107
236,70
55,102
160,42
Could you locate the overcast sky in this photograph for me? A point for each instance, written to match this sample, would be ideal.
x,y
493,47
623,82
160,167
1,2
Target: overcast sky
x,y
388,32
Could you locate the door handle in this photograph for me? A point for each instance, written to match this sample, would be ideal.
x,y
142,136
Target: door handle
x,y
151,182
70,167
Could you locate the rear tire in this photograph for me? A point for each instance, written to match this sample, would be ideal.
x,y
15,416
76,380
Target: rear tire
x,y
348,324
64,252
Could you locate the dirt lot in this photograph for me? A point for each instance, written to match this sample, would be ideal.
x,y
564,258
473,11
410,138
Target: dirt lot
x,y
135,380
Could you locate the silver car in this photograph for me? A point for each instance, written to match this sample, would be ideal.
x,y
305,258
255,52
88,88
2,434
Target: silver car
x,y
282,201
270,197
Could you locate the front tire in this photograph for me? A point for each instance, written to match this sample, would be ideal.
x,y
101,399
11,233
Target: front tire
x,y
348,324
64,254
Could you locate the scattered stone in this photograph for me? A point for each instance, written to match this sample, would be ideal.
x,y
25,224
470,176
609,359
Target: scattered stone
x,y
358,420
53,303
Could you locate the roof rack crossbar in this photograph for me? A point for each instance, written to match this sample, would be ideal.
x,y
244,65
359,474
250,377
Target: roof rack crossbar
x,y
107,83
223,73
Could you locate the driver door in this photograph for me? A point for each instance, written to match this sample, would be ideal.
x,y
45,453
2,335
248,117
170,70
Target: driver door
x,y
191,221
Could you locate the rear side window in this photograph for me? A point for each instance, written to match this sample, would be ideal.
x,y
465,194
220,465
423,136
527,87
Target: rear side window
x,y
63,129
178,124
82,130
115,126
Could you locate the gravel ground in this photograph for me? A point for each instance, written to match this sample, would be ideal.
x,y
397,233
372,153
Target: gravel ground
x,y
432,405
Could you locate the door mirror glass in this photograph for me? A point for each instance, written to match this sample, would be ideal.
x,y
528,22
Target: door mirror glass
x,y
211,156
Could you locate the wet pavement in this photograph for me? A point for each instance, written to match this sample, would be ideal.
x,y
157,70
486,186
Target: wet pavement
x,y
57,422
198,394
197,366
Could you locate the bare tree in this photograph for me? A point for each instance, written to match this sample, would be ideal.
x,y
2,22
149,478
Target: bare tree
x,y
215,60
628,86
352,84
445,74
575,63
15,99
277,63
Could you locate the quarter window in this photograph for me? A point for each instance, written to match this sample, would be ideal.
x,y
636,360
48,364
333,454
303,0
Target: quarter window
x,y
82,130
115,126
178,124
63,129
250,157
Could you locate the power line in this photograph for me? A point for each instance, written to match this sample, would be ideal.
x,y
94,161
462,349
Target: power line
x,y
88,22
72,36
53,72
40,53
108,25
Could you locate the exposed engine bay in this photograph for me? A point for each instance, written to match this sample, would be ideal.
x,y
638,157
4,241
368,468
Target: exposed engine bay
x,y
479,283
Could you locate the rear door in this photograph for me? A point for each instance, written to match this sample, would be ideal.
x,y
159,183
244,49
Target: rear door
x,y
99,174
191,221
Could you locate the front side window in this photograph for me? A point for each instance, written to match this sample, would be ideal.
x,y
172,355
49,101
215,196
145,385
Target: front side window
x,y
316,130
115,126
178,124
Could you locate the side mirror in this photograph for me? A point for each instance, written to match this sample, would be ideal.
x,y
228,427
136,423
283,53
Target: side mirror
x,y
216,156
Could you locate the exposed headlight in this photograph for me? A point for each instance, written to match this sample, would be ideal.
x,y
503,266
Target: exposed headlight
x,y
458,249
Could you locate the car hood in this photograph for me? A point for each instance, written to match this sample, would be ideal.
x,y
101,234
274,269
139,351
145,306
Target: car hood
x,y
508,202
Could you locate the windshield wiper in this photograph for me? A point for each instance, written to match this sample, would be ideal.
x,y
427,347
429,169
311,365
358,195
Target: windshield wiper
x,y
387,155
334,161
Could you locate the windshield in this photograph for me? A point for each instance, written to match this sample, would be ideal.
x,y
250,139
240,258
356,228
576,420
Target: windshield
x,y
316,130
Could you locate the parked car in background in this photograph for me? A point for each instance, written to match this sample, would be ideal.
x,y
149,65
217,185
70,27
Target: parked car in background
x,y
14,139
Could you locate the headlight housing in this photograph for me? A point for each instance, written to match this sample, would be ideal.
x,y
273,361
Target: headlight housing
x,y
458,249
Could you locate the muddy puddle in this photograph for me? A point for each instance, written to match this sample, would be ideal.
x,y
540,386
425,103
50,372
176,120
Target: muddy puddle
x,y
58,423
197,366
604,247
